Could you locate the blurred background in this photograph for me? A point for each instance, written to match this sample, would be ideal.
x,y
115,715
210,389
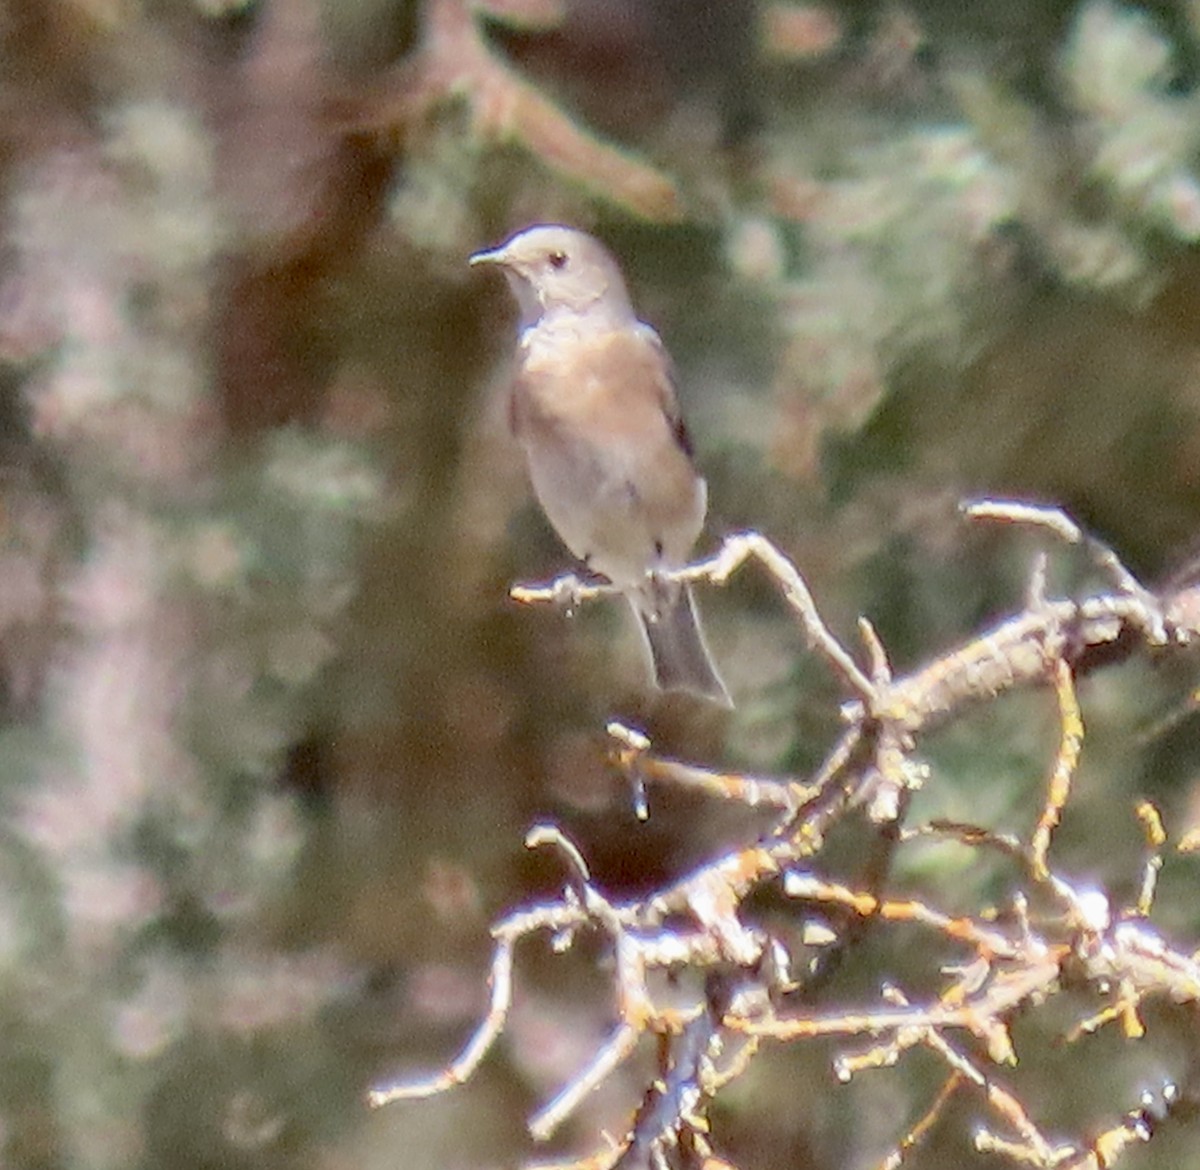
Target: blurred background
x,y
272,730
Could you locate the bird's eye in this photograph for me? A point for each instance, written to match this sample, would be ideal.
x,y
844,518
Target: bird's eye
x,y
557,259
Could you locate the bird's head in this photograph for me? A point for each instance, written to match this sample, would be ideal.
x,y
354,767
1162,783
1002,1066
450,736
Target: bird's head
x,y
555,270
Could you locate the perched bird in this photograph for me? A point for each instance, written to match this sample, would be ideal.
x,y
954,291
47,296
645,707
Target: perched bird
x,y
594,408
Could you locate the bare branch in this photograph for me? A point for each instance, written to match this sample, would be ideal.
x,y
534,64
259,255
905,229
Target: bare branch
x,y
990,964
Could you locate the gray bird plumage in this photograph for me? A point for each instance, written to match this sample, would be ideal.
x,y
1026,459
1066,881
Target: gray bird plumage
x,y
594,408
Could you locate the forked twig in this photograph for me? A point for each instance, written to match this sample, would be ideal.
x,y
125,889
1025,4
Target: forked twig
x,y
988,964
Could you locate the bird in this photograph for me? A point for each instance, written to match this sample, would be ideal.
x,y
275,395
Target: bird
x,y
593,405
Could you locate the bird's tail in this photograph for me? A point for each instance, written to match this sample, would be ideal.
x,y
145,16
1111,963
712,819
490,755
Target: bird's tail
x,y
667,615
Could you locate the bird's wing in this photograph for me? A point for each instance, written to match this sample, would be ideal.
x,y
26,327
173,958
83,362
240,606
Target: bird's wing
x,y
668,399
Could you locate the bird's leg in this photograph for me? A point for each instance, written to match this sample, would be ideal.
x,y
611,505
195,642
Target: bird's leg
x,y
568,591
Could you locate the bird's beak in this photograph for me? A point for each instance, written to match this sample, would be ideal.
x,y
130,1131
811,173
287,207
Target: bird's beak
x,y
491,256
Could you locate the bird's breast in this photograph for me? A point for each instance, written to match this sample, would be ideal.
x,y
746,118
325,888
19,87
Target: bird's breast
x,y
606,384
595,414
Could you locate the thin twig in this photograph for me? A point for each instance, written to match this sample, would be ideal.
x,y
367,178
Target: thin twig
x,y
611,1055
